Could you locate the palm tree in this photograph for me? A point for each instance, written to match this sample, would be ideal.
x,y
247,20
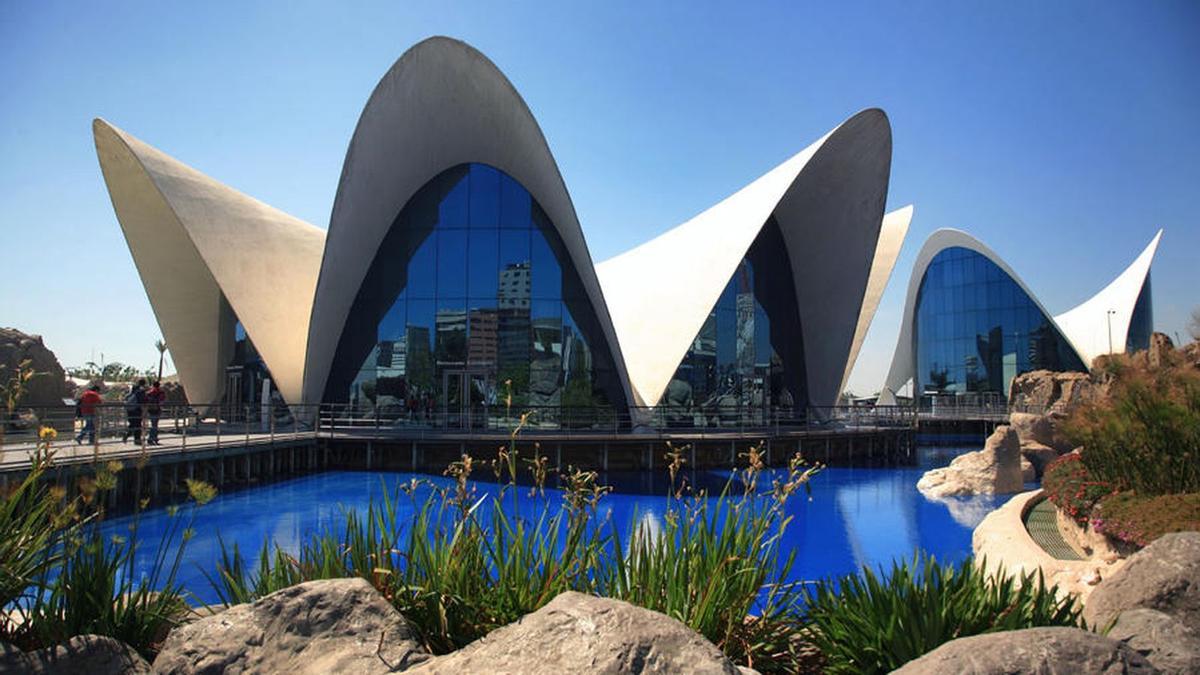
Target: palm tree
x,y
161,346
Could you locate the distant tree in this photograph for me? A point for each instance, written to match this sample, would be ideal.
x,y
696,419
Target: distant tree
x,y
161,346
1195,327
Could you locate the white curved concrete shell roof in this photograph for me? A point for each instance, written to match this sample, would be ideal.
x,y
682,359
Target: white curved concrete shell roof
x,y
205,253
1085,325
1108,314
891,240
442,104
828,200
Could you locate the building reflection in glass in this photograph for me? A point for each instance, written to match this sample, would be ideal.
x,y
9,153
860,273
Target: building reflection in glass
x,y
747,360
976,329
471,288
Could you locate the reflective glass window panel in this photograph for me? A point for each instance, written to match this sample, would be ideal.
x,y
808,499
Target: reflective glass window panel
x,y
483,255
485,197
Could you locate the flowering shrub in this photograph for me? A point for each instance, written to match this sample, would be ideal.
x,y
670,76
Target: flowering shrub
x,y
1070,486
1145,435
1127,517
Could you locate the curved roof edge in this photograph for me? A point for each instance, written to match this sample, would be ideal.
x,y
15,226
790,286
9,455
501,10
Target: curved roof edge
x,y
1085,327
441,104
828,200
1088,325
903,369
195,240
887,250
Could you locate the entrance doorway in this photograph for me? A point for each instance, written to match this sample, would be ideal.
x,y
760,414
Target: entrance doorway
x,y
468,398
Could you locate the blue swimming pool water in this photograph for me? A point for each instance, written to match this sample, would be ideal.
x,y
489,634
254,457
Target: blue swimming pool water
x,y
856,517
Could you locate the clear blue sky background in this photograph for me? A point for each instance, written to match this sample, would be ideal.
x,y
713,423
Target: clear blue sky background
x,y
1062,134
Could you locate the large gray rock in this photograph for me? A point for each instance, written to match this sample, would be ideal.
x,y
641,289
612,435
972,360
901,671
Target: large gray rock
x,y
1168,644
1033,650
996,469
1045,391
81,655
577,633
1164,576
333,626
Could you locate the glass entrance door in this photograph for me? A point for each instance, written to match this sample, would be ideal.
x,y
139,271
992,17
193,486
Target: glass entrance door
x,y
468,398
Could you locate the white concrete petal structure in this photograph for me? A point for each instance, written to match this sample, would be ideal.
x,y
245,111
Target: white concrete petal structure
x,y
440,105
1102,322
1085,326
205,253
891,240
828,200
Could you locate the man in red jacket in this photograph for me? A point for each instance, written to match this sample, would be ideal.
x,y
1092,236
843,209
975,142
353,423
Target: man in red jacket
x,y
87,412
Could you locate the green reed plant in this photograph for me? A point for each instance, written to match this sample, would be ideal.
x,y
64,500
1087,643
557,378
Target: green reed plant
x,y
459,565
32,519
868,623
86,582
719,566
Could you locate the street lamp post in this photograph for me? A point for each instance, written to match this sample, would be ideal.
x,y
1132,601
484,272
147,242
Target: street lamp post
x,y
1109,316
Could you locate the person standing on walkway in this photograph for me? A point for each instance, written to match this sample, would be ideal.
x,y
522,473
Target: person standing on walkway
x,y
87,412
154,400
134,401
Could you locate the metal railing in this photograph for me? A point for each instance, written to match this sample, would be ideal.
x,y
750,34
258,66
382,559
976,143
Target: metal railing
x,y
115,431
119,432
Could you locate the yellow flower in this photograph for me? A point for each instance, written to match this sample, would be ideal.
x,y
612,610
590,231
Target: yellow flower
x,y
48,433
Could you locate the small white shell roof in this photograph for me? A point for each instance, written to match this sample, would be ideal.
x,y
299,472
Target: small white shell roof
x,y
1085,326
828,200
1088,325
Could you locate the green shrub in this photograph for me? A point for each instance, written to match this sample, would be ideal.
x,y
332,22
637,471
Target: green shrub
x,y
1069,485
1131,518
1145,435
864,623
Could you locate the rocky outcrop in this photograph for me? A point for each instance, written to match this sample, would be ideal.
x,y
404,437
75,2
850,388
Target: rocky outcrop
x,y
81,655
1047,391
1033,650
1166,642
577,633
333,626
1164,576
46,389
996,469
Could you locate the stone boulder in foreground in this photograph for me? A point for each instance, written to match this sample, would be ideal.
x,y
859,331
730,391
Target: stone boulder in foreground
x,y
1164,576
318,627
996,469
81,655
1171,646
1032,650
577,633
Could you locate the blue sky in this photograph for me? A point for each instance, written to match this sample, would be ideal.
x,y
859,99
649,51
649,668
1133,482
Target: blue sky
x,y
1061,134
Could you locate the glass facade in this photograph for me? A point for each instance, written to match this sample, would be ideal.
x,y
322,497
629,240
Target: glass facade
x,y
245,376
1141,323
471,287
748,358
976,329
